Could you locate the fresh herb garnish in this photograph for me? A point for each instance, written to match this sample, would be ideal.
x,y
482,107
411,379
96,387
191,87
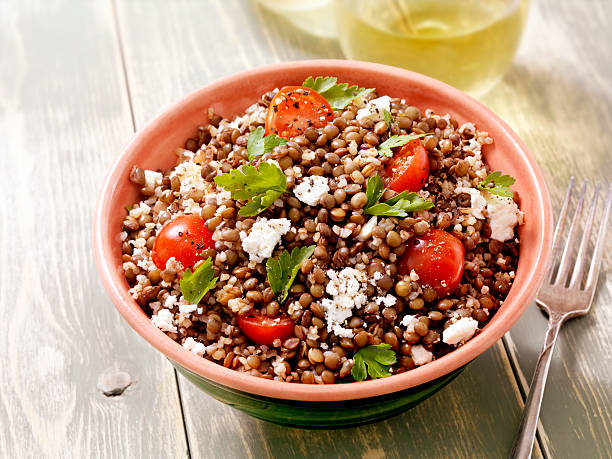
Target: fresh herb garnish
x,y
398,206
264,186
128,208
194,285
259,144
339,95
501,184
378,360
388,117
385,148
282,272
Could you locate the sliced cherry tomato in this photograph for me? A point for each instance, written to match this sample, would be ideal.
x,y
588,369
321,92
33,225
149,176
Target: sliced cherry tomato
x,y
409,168
183,238
264,330
294,109
437,257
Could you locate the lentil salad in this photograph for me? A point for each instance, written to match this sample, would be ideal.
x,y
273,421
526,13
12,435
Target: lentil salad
x,y
356,289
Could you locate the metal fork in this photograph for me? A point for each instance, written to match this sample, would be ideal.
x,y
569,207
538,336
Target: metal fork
x,y
563,297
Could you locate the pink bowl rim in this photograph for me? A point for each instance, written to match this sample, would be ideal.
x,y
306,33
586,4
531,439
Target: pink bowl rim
x,y
523,294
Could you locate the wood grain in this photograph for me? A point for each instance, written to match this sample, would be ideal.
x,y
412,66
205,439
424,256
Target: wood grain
x,y
558,97
167,55
64,115
472,418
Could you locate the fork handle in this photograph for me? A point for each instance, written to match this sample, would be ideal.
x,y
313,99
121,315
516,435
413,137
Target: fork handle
x,y
523,444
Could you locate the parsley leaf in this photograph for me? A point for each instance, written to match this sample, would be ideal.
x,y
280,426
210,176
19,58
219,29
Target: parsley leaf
x,y
194,285
398,206
265,185
259,145
282,272
378,360
385,148
501,184
374,190
339,95
388,117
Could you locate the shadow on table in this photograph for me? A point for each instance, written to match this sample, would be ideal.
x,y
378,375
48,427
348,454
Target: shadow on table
x,y
475,415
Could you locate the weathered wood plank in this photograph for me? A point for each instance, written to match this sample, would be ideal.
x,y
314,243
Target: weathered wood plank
x,y
472,418
64,116
558,97
172,49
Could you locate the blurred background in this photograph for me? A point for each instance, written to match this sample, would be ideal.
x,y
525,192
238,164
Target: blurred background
x,y
79,77
468,44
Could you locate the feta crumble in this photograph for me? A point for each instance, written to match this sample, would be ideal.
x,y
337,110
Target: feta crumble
x,y
420,355
152,178
388,300
194,346
478,202
503,217
264,236
460,331
311,189
347,288
374,109
164,321
409,322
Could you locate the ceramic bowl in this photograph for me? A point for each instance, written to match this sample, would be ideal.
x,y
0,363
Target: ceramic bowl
x,y
338,405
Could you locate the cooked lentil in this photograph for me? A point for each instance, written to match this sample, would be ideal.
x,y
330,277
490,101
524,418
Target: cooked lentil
x,y
345,153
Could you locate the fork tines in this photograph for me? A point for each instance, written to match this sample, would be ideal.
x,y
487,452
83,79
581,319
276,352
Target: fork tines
x,y
562,274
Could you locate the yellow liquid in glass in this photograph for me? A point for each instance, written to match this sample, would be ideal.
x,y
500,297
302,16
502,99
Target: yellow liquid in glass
x,y
468,44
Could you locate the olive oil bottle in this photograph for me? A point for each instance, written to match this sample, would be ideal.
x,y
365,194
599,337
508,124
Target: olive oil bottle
x,y
468,44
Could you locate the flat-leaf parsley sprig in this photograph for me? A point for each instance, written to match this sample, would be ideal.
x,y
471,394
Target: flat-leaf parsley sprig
x,y
194,285
377,359
500,184
259,145
282,272
398,206
386,148
263,185
339,95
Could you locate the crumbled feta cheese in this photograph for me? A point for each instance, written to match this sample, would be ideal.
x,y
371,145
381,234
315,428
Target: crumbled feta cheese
x,y
192,183
503,217
413,275
311,189
164,321
347,288
460,331
191,207
420,355
263,237
170,301
477,200
152,178
409,322
279,367
194,346
186,307
374,109
388,300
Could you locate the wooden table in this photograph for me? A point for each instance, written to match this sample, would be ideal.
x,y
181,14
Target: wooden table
x,y
78,77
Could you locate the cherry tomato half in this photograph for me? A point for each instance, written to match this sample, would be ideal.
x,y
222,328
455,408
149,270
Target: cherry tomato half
x,y
409,168
183,238
437,257
294,109
264,330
